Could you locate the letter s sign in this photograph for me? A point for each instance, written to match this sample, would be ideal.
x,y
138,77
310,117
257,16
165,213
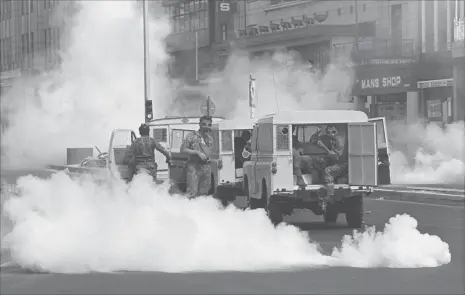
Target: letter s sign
x,y
225,6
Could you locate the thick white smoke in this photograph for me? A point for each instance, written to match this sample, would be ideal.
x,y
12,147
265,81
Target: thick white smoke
x,y
428,154
61,225
74,226
284,82
99,87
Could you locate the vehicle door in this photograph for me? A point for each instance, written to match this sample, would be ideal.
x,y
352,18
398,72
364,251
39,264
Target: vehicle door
x,y
384,171
120,143
161,135
362,154
177,170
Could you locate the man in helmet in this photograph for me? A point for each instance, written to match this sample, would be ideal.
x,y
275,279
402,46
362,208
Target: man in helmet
x,y
198,145
142,154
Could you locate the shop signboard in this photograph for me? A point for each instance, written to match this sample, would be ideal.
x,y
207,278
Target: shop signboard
x,y
379,81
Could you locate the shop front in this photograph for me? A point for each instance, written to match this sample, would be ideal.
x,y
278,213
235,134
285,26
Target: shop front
x,y
458,55
389,90
437,103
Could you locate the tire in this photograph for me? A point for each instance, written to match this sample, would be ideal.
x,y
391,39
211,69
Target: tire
x,y
274,213
259,203
354,212
273,210
330,215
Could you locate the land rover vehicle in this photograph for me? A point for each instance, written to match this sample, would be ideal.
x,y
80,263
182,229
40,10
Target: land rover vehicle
x,y
269,180
120,139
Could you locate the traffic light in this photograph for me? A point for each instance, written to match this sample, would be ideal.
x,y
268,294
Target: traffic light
x,y
148,111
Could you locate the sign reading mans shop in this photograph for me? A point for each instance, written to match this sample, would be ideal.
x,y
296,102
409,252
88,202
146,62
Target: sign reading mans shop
x,y
376,82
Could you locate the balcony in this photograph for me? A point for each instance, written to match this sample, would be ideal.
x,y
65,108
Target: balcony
x,y
301,30
186,40
379,49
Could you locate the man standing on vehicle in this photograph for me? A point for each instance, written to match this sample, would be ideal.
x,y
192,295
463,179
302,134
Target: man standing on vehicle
x,y
142,153
198,145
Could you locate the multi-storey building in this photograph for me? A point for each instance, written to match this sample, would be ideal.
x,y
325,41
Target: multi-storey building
x,y
389,41
441,71
30,38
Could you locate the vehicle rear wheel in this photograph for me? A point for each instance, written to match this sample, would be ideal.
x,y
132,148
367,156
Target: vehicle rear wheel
x,y
330,215
354,211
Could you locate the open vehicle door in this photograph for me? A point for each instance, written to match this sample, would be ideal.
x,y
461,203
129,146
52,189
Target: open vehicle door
x,y
177,170
120,143
363,154
384,170
161,135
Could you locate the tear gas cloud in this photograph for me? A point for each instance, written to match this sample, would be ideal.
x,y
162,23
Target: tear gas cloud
x,y
63,225
76,226
283,82
427,154
99,87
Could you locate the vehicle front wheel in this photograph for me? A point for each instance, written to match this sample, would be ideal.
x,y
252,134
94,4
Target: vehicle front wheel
x,y
354,211
274,213
330,215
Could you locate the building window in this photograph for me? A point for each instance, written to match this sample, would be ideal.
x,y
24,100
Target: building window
x,y
32,50
189,16
224,32
434,109
339,11
351,9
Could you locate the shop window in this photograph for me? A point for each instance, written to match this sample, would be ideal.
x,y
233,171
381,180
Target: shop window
x,y
434,109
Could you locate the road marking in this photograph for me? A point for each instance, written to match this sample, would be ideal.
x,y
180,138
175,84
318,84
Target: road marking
x,y
419,192
418,203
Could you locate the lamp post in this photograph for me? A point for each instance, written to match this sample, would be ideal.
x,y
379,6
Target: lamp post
x,y
147,106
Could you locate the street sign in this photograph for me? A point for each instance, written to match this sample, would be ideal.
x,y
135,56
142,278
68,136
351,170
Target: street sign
x,y
208,107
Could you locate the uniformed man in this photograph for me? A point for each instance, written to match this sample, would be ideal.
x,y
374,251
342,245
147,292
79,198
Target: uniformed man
x,y
336,162
142,153
198,145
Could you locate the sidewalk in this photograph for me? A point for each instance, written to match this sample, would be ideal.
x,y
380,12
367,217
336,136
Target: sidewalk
x,y
441,194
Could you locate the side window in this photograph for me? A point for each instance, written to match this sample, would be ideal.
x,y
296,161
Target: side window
x,y
160,134
226,141
282,137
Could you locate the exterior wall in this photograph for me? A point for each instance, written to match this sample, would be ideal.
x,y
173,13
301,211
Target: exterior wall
x,y
29,41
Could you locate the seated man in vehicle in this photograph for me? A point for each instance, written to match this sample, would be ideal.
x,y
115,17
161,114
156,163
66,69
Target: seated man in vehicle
x,y
336,165
302,164
241,143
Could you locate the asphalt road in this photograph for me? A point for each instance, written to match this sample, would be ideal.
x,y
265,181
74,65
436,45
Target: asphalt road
x,y
445,221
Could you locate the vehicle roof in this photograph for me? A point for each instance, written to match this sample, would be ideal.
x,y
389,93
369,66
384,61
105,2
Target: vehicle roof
x,y
236,124
170,120
315,117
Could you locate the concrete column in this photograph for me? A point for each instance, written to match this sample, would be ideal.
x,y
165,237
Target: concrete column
x,y
458,103
412,106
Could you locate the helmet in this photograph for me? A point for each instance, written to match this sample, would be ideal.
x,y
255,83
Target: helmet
x,y
144,129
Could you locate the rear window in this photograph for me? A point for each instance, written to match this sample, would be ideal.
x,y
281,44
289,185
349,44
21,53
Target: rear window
x,y
160,134
282,137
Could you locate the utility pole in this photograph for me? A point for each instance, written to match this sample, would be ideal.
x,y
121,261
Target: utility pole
x,y
146,62
196,56
356,24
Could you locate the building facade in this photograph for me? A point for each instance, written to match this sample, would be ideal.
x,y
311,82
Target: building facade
x,y
29,39
441,79
408,54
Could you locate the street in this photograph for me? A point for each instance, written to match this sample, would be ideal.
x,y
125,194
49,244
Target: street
x,y
445,221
